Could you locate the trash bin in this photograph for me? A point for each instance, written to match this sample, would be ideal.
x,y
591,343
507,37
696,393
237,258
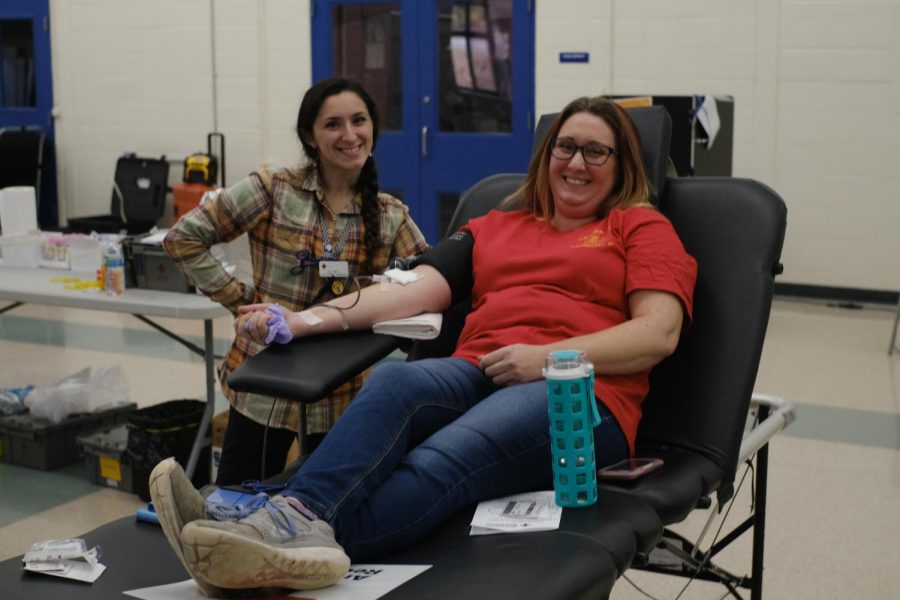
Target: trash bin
x,y
163,430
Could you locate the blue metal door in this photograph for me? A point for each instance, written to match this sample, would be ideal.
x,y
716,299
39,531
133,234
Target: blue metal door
x,y
454,83
26,96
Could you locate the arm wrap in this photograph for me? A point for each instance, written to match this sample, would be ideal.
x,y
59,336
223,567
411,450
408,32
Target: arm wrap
x,y
452,258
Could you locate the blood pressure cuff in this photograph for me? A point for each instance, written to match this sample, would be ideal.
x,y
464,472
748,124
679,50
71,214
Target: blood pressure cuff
x,y
452,258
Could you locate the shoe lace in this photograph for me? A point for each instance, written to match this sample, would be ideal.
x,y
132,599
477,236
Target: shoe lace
x,y
236,511
233,511
280,517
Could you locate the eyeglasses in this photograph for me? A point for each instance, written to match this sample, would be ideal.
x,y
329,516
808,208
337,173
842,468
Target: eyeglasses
x,y
593,153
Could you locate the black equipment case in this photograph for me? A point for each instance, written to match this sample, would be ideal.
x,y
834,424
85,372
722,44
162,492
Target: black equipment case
x,y
138,198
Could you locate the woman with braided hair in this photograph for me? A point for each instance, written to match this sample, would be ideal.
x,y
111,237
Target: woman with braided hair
x,y
296,218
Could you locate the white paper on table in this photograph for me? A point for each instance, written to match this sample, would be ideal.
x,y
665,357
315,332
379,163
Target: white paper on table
x,y
426,326
519,513
78,570
363,582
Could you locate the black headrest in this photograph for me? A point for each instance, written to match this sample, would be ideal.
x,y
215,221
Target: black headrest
x,y
654,127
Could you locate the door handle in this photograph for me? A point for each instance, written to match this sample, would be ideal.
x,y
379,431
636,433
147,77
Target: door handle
x,y
424,141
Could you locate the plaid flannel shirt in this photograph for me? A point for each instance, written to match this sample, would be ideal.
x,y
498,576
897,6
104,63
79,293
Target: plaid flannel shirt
x,y
279,211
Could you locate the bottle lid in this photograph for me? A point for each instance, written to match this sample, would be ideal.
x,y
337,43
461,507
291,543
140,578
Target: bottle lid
x,y
567,364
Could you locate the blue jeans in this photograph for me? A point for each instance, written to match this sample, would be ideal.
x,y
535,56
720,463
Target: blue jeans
x,y
422,440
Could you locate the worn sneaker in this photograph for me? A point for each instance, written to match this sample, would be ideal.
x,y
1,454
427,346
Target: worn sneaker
x,y
177,502
281,544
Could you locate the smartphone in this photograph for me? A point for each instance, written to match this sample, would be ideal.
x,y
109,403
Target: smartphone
x,y
630,468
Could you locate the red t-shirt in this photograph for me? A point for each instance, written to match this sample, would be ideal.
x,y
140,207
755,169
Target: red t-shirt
x,y
536,285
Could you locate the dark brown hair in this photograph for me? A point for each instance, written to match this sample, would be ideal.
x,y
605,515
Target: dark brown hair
x,y
367,183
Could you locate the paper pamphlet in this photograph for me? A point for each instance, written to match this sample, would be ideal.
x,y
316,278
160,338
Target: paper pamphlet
x,y
426,326
519,513
362,582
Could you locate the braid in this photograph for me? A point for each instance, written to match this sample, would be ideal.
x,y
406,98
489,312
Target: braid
x,y
367,184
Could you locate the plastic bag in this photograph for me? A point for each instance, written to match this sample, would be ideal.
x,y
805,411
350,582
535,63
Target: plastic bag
x,y
89,390
12,400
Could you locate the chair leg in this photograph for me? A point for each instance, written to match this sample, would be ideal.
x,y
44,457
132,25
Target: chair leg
x,y
759,515
893,345
302,441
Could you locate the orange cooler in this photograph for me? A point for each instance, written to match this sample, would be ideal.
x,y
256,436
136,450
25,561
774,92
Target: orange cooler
x,y
186,196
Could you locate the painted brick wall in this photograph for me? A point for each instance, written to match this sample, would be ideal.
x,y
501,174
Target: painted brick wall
x,y
816,86
817,101
137,76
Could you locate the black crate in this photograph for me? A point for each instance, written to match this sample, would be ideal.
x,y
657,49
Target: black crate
x,y
163,430
105,458
40,444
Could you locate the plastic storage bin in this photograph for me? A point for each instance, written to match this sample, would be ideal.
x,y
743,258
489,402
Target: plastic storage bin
x,y
105,458
21,250
28,441
153,269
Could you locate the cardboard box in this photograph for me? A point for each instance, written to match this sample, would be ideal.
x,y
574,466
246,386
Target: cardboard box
x,y
40,444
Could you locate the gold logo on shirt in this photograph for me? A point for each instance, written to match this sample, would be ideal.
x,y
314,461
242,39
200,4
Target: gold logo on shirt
x,y
594,239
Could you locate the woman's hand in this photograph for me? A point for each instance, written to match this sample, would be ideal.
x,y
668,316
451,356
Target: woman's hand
x,y
252,322
516,363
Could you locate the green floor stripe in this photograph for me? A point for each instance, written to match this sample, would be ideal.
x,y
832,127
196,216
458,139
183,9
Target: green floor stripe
x,y
99,338
846,425
25,492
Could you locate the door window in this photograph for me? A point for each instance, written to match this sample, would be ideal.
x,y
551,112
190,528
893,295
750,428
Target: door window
x,y
455,101
17,55
366,47
474,61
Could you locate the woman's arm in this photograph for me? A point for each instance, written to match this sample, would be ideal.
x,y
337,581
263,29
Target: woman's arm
x,y
649,336
220,218
430,293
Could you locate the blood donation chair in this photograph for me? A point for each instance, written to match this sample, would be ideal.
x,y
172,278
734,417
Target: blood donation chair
x,y
695,418
701,418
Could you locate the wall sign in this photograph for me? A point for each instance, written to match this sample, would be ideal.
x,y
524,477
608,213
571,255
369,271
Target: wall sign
x,y
574,57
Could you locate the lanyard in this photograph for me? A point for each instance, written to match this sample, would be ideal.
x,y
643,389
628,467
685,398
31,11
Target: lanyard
x,y
329,250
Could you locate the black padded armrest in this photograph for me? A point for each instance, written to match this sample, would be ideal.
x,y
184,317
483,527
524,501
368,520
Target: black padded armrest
x,y
310,368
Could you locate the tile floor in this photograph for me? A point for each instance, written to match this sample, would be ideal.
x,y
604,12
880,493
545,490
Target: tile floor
x,y
834,486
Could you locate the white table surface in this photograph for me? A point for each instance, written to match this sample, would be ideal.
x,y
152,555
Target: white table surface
x,y
36,286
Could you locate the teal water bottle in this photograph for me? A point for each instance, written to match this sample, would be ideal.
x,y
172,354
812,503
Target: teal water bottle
x,y
573,416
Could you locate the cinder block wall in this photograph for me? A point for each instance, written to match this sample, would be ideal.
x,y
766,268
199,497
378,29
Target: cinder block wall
x,y
137,76
816,87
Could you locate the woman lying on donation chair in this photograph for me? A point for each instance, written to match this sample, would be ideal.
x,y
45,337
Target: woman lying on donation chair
x,y
585,263
332,209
